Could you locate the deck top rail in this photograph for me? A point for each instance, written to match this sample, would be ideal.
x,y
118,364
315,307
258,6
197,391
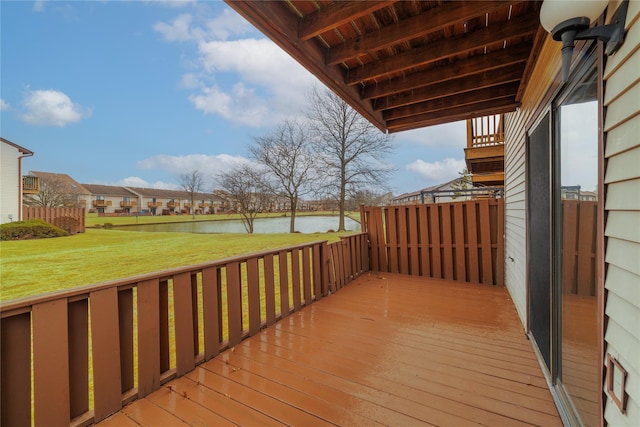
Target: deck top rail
x,y
88,351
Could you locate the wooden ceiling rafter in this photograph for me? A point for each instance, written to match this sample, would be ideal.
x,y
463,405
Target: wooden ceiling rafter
x,y
442,49
493,61
409,64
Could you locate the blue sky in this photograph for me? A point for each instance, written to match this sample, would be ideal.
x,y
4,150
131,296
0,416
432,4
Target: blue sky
x,y
138,92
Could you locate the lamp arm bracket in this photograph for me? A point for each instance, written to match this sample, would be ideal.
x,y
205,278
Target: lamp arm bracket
x,y
612,34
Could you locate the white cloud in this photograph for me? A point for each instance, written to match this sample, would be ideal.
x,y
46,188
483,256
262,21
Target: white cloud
x,y
178,30
3,105
207,164
241,105
256,83
38,6
51,107
135,181
439,171
173,3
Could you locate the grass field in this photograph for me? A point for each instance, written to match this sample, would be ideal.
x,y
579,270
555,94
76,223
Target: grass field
x,y
33,267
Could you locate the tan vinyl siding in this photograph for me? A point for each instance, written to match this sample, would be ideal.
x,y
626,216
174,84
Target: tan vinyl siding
x,y
542,78
622,230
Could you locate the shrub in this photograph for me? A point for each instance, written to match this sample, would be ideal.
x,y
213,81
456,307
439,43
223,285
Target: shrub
x,y
31,229
108,225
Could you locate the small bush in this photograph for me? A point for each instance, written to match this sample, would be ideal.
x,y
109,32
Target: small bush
x,y
108,225
31,229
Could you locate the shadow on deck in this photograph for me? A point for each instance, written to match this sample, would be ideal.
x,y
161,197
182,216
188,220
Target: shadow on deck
x,y
387,349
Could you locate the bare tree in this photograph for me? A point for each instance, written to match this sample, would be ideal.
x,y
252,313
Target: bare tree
x,y
192,183
286,154
246,190
54,191
351,151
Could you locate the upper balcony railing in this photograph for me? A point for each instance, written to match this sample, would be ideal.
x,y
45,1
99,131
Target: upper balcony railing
x,y
154,204
128,203
485,131
64,347
101,203
30,184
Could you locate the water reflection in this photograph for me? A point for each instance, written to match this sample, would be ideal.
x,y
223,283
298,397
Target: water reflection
x,y
304,224
579,177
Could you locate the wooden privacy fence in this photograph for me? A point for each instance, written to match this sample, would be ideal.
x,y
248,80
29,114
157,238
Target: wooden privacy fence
x,y
459,241
579,236
69,219
166,323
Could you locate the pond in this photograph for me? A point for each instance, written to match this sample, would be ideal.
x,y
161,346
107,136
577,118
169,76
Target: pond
x,y
304,224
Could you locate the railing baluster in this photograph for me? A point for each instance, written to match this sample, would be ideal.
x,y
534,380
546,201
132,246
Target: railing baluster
x,y
306,274
234,303
211,307
78,332
269,289
125,315
284,283
148,336
183,318
196,318
50,363
106,352
16,370
165,359
295,279
253,290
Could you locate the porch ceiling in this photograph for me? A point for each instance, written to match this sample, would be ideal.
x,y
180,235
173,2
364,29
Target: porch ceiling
x,y
409,64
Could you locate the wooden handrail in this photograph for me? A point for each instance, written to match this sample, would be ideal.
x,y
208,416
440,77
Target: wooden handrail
x,y
199,310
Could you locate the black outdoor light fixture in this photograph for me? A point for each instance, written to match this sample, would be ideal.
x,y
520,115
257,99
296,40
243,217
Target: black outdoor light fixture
x,y
569,20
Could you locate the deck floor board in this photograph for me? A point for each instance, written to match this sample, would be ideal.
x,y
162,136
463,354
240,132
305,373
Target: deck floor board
x,y
385,350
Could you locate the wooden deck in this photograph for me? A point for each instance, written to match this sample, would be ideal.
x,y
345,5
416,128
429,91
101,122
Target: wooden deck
x,y
387,349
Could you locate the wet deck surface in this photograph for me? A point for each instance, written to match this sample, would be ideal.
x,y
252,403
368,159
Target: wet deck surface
x,y
385,350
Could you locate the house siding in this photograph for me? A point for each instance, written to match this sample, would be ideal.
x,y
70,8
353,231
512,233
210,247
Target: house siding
x,y
10,203
516,123
622,206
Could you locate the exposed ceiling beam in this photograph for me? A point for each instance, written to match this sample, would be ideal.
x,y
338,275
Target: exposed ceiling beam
x,y
335,15
448,115
455,86
427,22
461,99
518,27
461,68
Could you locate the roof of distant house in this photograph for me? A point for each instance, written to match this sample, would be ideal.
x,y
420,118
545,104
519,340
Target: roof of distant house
x,y
20,148
60,177
108,190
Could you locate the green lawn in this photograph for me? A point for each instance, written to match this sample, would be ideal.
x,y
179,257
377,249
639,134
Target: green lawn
x,y
33,267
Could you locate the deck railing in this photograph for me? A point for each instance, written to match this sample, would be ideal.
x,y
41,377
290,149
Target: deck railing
x,y
88,351
485,131
459,241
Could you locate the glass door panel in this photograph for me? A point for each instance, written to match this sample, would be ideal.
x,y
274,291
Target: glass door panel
x,y
577,149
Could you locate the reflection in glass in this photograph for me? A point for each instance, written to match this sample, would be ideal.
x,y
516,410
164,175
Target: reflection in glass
x,y
578,121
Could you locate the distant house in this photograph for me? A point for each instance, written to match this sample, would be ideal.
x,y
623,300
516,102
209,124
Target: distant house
x,y
111,199
11,180
55,189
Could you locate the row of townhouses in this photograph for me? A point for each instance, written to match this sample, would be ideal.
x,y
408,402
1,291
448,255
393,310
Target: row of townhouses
x,y
126,200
